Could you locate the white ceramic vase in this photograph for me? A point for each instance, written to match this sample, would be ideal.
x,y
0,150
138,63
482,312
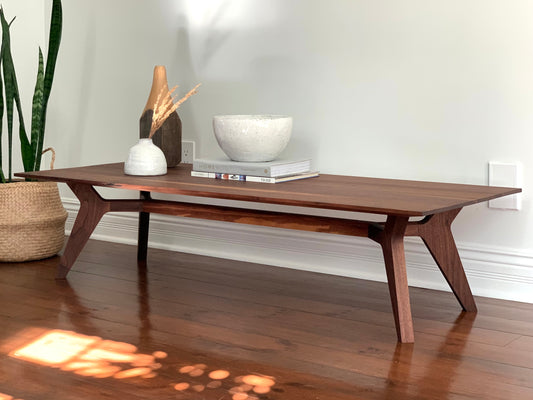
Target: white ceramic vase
x,y
145,159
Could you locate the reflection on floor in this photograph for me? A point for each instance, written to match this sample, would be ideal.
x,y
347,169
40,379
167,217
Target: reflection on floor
x,y
89,355
187,327
92,356
7,397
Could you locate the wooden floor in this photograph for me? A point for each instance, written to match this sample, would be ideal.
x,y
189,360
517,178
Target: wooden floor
x,y
193,327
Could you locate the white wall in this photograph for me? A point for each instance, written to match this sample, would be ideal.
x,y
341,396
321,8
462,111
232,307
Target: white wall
x,y
412,89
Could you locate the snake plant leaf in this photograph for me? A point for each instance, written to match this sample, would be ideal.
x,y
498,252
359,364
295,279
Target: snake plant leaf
x,y
12,96
2,176
54,40
8,90
25,146
37,107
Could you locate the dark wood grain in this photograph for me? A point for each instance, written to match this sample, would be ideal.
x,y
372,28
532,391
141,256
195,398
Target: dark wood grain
x,y
372,195
92,208
397,199
273,219
436,232
391,241
319,336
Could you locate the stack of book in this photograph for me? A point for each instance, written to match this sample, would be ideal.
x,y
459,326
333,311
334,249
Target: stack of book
x,y
265,172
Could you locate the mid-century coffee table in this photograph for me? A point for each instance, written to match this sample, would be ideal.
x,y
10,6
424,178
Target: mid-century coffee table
x,y
437,203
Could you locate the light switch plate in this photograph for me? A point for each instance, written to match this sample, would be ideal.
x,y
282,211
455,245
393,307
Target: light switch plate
x,y
508,175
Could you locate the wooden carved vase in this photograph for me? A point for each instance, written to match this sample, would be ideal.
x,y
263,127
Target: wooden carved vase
x,y
168,137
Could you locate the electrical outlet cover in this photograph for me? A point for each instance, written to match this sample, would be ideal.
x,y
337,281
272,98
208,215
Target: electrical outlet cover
x,y
187,151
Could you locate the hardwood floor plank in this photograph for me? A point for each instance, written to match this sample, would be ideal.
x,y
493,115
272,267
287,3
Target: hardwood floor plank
x,y
359,311
302,339
319,336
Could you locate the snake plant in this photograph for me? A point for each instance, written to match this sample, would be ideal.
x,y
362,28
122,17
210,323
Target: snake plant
x,y
31,148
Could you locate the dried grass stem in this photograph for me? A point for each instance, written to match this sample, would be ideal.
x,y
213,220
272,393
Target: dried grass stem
x,y
164,106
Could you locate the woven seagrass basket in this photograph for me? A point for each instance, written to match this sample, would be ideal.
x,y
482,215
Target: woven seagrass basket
x,y
32,220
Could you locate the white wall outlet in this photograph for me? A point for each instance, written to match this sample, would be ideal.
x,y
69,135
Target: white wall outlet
x,y
508,175
187,151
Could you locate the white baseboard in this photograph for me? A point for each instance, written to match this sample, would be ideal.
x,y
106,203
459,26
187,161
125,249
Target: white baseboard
x,y
499,273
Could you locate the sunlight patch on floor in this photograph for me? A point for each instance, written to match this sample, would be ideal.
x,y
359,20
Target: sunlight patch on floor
x,y
89,355
245,387
92,356
6,397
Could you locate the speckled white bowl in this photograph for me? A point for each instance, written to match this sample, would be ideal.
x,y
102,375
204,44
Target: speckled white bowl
x,y
252,138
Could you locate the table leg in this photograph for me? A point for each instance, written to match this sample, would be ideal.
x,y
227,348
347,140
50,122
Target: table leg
x,y
144,224
391,240
92,208
437,234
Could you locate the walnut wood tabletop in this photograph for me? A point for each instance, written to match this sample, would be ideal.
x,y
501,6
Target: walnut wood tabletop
x,y
437,203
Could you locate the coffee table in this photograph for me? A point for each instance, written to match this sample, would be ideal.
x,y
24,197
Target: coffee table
x,y
436,203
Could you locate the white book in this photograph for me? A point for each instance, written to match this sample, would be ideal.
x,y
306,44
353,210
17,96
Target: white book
x,y
270,169
249,178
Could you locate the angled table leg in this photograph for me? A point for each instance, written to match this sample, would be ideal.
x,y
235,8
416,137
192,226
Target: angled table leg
x,y
436,233
92,208
391,240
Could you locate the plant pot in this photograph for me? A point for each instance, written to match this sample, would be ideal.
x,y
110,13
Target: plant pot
x,y
32,223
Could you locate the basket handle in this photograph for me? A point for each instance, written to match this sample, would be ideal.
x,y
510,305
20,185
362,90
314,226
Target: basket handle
x,y
52,161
